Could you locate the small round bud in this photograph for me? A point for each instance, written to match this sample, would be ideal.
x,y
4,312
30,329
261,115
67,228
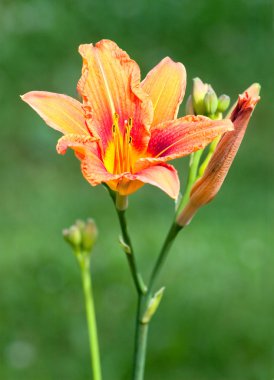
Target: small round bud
x,y
210,101
198,94
223,103
81,236
89,235
73,236
80,224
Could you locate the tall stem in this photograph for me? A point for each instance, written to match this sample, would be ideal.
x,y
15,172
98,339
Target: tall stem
x,y
141,334
174,229
91,319
136,275
143,302
144,293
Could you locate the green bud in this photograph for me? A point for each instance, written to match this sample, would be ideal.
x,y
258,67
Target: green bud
x,y
223,103
80,224
198,94
210,101
189,106
89,235
81,236
73,236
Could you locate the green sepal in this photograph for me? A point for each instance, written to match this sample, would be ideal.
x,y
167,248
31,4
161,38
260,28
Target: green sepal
x,y
153,306
125,246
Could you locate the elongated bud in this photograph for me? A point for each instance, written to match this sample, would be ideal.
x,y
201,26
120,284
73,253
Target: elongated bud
x,y
189,106
210,101
198,94
206,188
223,103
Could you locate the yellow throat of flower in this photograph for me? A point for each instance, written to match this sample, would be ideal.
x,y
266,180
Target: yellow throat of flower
x,y
119,154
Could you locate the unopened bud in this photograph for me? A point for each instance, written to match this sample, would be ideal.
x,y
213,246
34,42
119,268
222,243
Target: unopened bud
x,y
80,224
189,106
73,236
89,235
223,103
210,101
81,235
208,185
198,94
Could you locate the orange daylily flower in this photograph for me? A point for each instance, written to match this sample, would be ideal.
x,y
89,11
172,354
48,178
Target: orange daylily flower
x,y
207,187
125,130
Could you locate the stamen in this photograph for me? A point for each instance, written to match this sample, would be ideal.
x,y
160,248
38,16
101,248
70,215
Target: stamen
x,y
117,148
122,161
127,146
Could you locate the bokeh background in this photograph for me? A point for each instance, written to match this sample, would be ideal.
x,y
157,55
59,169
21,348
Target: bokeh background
x,y
216,321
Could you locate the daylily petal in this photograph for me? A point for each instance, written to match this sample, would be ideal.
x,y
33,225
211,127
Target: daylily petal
x,y
60,112
207,187
79,143
110,84
126,184
163,176
93,168
183,136
165,84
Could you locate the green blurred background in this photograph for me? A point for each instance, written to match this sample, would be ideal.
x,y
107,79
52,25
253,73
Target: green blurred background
x,y
216,320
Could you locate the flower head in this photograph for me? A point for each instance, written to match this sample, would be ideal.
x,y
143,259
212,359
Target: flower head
x,y
207,187
125,130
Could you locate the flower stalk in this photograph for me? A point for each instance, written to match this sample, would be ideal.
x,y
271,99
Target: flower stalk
x,y
81,237
91,318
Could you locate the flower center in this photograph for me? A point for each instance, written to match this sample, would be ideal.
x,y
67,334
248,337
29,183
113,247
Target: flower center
x,y
119,157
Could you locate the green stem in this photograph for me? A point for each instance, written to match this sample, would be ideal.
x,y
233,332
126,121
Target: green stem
x,y
136,275
141,334
91,319
211,150
192,176
144,294
121,204
174,229
143,302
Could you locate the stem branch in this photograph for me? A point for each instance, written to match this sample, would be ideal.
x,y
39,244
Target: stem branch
x,y
143,302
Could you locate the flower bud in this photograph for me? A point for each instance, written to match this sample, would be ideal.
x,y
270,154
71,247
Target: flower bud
x,y
81,235
198,94
73,236
89,235
189,106
207,187
80,224
223,103
210,101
